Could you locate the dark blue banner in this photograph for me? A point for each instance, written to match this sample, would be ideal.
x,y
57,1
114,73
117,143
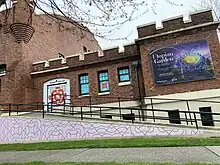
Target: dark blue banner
x,y
182,63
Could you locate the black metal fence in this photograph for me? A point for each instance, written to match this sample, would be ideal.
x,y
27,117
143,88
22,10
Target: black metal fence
x,y
146,113
142,115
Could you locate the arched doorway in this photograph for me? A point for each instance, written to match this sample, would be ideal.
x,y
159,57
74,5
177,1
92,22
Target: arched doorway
x,y
56,90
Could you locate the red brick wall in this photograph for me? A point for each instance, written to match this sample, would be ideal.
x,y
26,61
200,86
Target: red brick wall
x,y
206,33
72,74
51,38
17,86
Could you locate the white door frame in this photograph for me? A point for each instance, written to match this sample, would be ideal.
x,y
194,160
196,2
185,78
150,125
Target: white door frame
x,y
55,81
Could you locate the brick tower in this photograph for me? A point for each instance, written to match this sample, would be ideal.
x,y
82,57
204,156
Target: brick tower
x,y
22,12
26,37
16,32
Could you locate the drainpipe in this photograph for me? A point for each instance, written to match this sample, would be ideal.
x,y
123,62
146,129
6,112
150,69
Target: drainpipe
x,y
137,67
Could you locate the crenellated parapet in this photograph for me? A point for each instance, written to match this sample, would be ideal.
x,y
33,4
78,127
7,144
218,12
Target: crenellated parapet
x,y
89,58
175,23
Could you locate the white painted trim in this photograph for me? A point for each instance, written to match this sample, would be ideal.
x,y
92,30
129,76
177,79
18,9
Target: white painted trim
x,y
124,83
200,11
147,24
187,18
54,59
14,2
2,74
179,30
49,70
63,61
81,57
38,62
104,93
100,53
172,18
159,25
90,52
113,47
82,96
203,94
47,64
128,44
55,82
73,55
121,49
31,5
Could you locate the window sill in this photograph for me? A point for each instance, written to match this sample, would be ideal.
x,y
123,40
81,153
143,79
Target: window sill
x,y
124,83
2,74
104,93
81,96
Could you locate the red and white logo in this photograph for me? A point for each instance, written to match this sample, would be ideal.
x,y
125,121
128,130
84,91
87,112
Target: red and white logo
x,y
57,96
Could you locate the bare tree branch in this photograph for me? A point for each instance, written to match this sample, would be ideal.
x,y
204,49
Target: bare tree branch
x,y
98,14
210,4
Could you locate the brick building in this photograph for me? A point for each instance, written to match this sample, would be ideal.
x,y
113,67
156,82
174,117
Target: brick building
x,y
110,74
177,58
27,37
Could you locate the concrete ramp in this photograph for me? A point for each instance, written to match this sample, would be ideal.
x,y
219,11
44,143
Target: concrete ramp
x,y
23,129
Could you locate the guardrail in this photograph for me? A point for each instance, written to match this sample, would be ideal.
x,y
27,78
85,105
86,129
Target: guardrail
x,y
141,115
131,114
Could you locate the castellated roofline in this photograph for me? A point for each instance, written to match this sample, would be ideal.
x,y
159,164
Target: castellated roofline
x,y
174,23
87,58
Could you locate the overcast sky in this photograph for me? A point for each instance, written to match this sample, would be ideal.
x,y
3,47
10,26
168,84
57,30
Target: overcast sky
x,y
163,10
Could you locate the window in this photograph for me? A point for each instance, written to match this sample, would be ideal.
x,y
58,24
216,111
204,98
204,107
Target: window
x,y
123,74
84,84
2,68
103,81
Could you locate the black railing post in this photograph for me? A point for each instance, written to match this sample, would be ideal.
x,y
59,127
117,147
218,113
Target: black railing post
x,y
43,111
64,101
119,106
81,111
132,119
9,109
37,105
17,109
90,105
51,105
48,107
152,107
186,118
195,120
139,115
141,106
73,110
190,117
100,112
143,114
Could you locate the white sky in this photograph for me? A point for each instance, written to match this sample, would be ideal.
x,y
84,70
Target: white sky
x,y
163,10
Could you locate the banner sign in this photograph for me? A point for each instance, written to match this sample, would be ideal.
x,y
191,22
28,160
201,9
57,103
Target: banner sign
x,y
182,63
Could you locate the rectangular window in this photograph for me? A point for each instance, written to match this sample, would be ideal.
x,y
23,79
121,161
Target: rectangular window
x,y
123,74
103,81
2,68
84,84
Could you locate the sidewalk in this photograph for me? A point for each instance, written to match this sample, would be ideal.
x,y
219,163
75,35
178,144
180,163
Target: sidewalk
x,y
157,154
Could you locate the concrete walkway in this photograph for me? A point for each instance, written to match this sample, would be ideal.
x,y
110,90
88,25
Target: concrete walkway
x,y
165,154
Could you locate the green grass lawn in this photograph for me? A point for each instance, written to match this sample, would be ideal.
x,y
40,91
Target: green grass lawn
x,y
41,163
112,143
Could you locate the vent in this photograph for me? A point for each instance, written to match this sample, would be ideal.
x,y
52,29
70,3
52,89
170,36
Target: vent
x,y
22,32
